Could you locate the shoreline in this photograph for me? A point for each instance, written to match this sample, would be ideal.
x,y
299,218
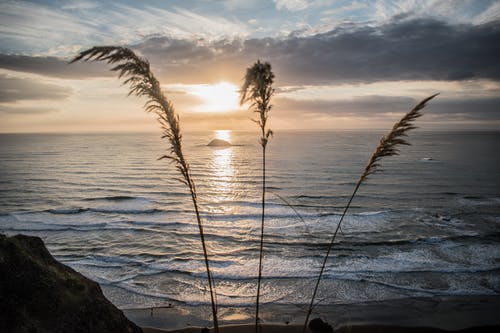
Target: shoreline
x,y
349,329
422,314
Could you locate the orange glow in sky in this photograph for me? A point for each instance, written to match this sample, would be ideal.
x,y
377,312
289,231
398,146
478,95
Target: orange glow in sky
x,y
324,77
218,97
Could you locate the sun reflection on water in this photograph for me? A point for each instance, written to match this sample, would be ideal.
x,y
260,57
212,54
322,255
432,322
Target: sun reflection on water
x,y
223,174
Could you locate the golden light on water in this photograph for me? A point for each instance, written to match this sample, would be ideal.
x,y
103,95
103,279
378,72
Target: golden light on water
x,y
219,97
223,158
223,171
223,163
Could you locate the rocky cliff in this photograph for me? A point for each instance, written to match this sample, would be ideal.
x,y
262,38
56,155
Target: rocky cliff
x,y
38,294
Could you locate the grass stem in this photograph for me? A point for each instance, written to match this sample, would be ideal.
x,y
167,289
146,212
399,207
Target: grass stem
x,y
388,146
138,75
257,89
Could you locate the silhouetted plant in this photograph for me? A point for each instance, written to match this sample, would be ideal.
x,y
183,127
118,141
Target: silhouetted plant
x,y
291,206
257,89
142,82
388,146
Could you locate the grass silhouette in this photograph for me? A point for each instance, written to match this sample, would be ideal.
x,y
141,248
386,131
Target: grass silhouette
x,y
388,146
257,90
142,82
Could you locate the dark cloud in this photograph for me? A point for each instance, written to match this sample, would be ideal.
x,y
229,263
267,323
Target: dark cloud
x,y
363,106
16,89
420,49
384,106
4,109
52,66
416,49
470,109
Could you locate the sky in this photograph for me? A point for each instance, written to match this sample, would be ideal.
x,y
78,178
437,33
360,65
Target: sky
x,y
338,64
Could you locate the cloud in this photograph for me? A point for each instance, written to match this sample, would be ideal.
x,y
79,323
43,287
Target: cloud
x,y
42,28
421,49
365,106
53,66
80,5
383,107
345,9
409,50
418,50
454,11
17,110
19,89
55,28
469,109
492,13
291,5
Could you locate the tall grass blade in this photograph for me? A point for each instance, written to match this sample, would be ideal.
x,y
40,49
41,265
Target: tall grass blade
x,y
388,146
257,89
137,74
287,203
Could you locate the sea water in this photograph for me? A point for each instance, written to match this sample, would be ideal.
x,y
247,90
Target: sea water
x,y
428,225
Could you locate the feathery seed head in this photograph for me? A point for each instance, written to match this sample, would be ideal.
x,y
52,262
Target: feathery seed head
x,y
137,74
389,143
257,89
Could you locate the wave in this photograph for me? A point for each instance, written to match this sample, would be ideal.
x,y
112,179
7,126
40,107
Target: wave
x,y
451,290
472,200
126,211
114,198
105,261
105,210
161,296
92,227
360,214
111,210
230,270
333,198
236,293
420,241
256,216
154,224
54,229
335,274
68,211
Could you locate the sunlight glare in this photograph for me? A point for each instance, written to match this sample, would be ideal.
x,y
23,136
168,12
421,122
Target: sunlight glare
x,y
219,97
223,135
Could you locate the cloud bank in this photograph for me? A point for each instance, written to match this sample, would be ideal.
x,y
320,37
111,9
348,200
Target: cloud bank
x,y
52,66
418,49
404,49
18,89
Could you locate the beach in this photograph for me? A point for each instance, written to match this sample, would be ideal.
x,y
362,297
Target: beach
x,y
437,314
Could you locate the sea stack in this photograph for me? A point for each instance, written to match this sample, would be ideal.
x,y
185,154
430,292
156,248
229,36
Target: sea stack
x,y
219,143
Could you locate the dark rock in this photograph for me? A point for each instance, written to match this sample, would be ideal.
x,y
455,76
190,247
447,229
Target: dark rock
x,y
319,326
219,143
40,295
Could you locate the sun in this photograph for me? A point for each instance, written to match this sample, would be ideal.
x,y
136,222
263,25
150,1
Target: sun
x,y
218,97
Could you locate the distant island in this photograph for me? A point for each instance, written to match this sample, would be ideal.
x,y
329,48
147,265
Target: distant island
x,y
219,143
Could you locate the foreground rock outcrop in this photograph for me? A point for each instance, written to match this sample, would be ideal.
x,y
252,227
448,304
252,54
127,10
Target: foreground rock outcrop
x,y
38,294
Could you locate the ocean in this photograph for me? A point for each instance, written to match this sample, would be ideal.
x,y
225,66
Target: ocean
x,y
428,225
